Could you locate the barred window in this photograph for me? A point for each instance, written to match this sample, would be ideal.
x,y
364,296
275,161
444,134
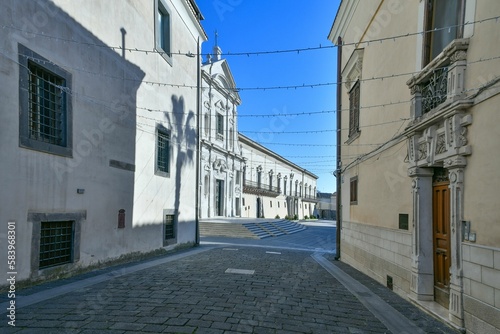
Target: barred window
x,y
46,106
162,152
56,243
169,230
45,122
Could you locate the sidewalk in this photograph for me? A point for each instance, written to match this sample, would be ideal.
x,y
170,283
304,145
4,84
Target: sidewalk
x,y
222,288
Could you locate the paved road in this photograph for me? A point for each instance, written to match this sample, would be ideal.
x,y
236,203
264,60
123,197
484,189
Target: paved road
x,y
224,287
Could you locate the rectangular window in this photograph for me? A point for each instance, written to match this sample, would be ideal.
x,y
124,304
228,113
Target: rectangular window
x,y
46,106
56,243
163,42
354,96
220,126
238,177
354,190
270,204
169,227
444,20
403,221
45,109
162,152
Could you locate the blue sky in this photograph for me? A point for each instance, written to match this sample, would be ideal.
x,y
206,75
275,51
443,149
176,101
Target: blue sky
x,y
258,25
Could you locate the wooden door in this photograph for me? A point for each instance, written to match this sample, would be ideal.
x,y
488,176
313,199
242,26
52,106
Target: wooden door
x,y
441,238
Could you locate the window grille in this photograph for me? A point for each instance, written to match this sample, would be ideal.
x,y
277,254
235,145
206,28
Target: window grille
x,y
163,161
169,227
56,243
46,106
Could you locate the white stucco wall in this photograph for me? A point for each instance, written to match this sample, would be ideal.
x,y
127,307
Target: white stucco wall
x,y
300,196
115,112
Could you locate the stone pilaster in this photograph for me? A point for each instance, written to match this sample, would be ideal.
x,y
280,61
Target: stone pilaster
x,y
422,280
456,175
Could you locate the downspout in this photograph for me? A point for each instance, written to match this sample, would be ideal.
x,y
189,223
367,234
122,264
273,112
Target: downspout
x,y
198,161
338,173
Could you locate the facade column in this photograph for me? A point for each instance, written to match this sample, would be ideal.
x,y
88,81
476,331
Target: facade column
x,y
455,168
422,271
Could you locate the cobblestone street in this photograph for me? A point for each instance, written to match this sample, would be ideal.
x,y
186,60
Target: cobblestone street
x,y
220,289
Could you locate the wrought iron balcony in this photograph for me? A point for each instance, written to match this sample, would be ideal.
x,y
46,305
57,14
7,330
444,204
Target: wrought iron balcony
x,y
434,92
441,82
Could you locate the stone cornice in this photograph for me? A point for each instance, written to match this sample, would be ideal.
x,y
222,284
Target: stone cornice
x,y
437,115
455,51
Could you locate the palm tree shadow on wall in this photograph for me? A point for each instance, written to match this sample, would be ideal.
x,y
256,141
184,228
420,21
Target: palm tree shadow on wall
x,y
183,139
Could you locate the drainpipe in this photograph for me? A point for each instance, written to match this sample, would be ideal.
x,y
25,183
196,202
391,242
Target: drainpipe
x,y
339,141
198,115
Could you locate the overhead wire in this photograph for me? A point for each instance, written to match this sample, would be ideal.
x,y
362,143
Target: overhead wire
x,y
249,53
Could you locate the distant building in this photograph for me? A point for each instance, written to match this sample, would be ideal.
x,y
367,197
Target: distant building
x,y
241,178
98,132
274,186
221,157
419,161
326,208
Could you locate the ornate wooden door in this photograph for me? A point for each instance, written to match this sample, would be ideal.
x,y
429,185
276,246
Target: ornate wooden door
x,y
441,238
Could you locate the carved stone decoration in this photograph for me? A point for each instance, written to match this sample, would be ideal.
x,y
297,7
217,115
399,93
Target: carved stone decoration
x,y
441,144
462,139
237,190
459,55
206,104
415,89
206,167
422,151
271,172
279,175
259,169
450,131
220,166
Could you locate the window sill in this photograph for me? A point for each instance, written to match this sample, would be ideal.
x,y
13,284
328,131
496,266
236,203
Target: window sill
x,y
40,146
162,174
164,55
353,137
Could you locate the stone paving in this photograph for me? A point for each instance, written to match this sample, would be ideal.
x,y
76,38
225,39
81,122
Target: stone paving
x,y
265,290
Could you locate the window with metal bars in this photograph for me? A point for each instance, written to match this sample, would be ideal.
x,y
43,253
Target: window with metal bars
x,y
169,227
162,152
354,97
56,243
45,122
46,106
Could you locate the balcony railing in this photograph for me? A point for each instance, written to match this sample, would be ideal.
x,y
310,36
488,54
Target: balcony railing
x,y
257,188
441,82
260,189
434,91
